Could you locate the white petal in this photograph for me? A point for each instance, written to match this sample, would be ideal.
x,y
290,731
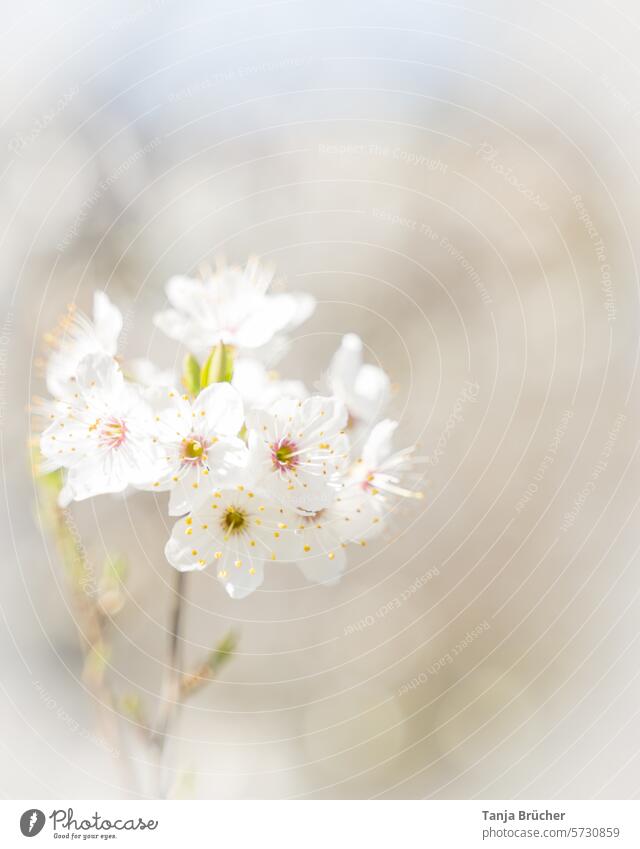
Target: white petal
x,y
378,445
102,475
239,583
183,494
302,491
107,319
185,293
304,306
174,324
262,324
99,373
178,553
146,373
372,389
346,363
320,569
219,407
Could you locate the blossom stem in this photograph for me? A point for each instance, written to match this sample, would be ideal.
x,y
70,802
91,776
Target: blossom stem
x,y
171,703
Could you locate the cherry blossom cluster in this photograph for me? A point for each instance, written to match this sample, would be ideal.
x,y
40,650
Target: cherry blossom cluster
x,y
257,468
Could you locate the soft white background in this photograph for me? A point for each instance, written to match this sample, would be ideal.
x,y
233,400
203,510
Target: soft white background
x,y
323,136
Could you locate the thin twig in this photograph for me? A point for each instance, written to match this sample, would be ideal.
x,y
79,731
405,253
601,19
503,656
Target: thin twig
x,y
170,704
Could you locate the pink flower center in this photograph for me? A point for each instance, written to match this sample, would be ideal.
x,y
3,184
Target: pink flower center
x,y
114,433
284,455
194,449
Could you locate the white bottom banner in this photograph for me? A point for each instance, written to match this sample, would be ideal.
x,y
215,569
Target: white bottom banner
x,y
311,824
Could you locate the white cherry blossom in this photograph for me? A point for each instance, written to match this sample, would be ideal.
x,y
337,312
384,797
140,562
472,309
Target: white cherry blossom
x,y
319,546
77,336
236,530
146,373
101,434
232,306
364,388
260,388
298,449
259,471
380,469
197,442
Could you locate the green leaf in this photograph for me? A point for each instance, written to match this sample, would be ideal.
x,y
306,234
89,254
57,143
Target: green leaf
x,y
191,375
222,652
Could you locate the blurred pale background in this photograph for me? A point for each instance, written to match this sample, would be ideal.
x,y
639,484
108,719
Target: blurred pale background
x,y
414,165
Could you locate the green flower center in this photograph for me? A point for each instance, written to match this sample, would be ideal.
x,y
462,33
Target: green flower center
x,y
234,520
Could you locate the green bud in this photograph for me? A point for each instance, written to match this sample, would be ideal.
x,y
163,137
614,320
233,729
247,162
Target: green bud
x,y
96,661
191,375
131,706
114,572
218,367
